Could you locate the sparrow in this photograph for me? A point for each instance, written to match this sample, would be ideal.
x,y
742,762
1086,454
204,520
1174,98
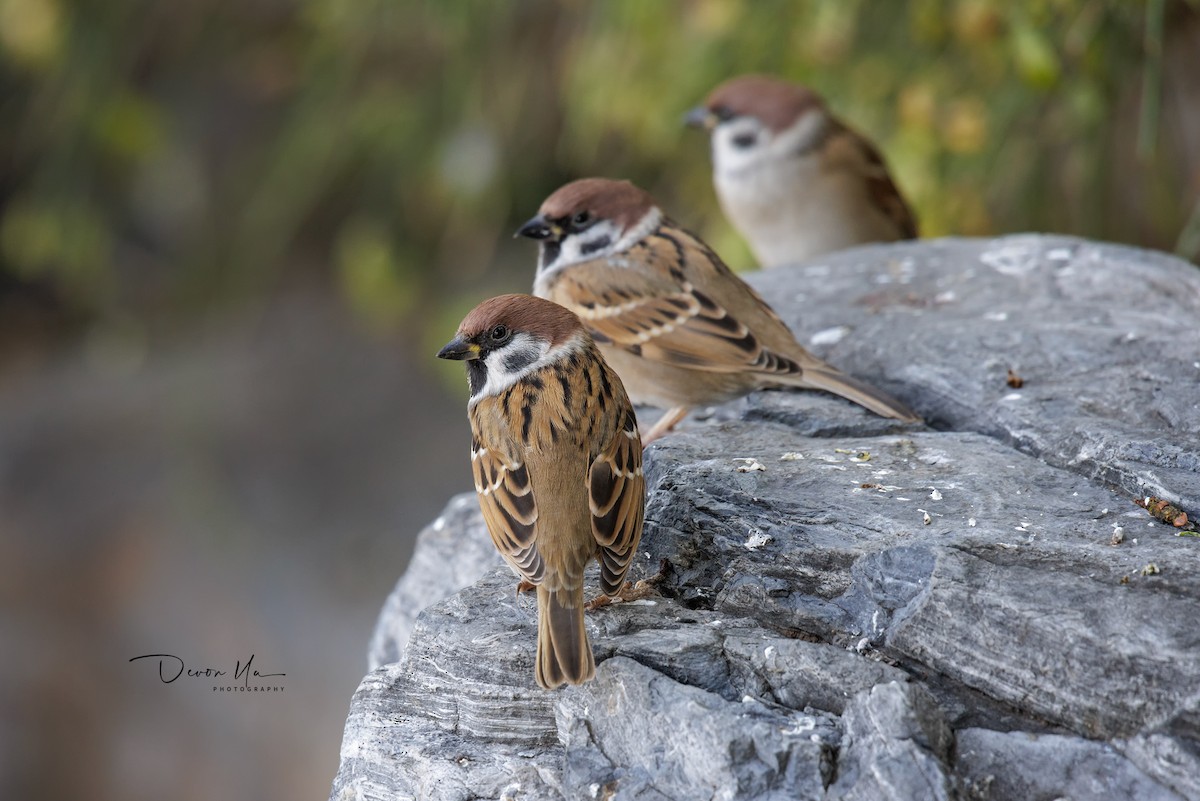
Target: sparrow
x,y
557,463
794,179
674,322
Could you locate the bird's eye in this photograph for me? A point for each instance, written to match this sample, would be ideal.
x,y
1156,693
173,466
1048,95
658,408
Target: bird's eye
x,y
499,333
581,219
723,113
745,140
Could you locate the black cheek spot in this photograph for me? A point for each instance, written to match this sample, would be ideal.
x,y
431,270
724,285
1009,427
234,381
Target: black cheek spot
x,y
519,360
599,244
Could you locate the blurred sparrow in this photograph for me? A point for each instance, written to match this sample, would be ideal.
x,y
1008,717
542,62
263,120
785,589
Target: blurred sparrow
x,y
674,322
557,463
791,177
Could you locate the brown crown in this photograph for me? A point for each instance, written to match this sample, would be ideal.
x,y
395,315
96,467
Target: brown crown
x,y
602,198
522,313
777,103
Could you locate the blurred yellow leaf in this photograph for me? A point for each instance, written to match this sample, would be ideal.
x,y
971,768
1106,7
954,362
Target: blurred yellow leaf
x,y
67,243
977,22
714,16
31,32
917,107
29,237
832,32
370,275
966,126
1036,60
129,126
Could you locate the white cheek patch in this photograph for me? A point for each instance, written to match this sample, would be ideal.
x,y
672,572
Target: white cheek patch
x,y
805,134
596,242
506,365
524,355
601,241
640,231
728,157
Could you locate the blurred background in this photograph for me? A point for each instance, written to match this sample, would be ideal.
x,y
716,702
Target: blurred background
x,y
233,235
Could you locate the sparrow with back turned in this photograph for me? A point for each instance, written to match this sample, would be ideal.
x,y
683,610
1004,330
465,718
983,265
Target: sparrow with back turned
x,y
557,464
791,177
673,321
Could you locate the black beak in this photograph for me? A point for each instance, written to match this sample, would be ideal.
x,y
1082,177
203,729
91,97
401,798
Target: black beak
x,y
700,117
538,228
459,350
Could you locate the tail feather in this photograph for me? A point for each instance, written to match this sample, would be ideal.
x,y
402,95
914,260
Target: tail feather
x,y
564,655
865,395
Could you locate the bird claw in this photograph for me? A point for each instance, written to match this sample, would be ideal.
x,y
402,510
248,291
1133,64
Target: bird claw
x,y
666,423
628,592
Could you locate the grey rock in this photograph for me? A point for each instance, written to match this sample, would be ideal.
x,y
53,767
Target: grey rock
x,y
859,566
456,717
1106,338
449,556
1172,761
635,733
896,746
1010,765
800,675
940,611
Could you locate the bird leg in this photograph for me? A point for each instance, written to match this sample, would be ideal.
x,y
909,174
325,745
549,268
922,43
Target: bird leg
x,y
669,420
629,591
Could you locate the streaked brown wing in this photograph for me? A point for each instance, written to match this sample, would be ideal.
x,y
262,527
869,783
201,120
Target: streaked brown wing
x,y
509,509
852,149
617,495
669,321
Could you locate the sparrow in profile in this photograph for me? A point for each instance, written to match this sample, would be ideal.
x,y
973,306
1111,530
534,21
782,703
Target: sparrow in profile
x,y
674,322
791,177
557,464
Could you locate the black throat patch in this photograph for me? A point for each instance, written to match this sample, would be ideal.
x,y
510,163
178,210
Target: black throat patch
x,y
476,376
550,251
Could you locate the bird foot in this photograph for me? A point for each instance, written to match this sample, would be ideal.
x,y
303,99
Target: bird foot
x,y
668,421
629,591
525,586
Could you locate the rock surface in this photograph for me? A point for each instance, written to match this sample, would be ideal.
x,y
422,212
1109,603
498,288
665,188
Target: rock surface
x,y
847,608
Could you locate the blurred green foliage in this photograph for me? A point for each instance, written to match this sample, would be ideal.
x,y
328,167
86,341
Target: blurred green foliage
x,y
163,158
